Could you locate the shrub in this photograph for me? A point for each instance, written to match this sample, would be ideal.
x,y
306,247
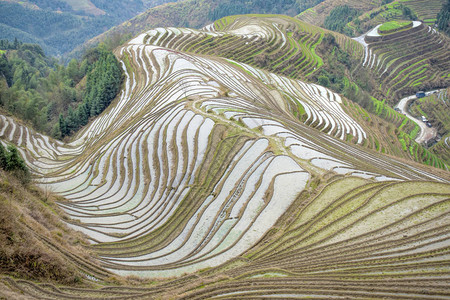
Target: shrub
x,y
11,161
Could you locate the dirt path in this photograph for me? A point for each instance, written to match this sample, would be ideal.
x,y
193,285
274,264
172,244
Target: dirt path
x,y
426,133
362,41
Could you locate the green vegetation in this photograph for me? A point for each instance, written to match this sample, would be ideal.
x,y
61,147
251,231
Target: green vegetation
x,y
56,33
36,89
394,11
319,13
435,107
393,133
36,244
11,161
57,26
339,17
285,7
233,7
443,18
198,13
333,74
394,26
208,173
102,85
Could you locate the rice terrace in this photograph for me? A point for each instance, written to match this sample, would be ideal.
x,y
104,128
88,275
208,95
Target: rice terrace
x,y
227,167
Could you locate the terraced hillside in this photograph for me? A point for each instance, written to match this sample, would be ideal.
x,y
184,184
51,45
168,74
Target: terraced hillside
x,y
196,14
298,50
375,12
346,242
435,108
407,61
401,62
398,64
277,43
425,11
240,178
317,14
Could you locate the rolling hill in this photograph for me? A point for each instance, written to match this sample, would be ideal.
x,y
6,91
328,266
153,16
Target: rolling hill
x,y
420,10
302,51
223,178
196,14
373,13
405,61
59,26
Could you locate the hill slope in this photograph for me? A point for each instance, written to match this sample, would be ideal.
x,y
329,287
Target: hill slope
x,y
61,25
36,244
373,13
301,51
241,178
317,14
425,11
407,61
198,13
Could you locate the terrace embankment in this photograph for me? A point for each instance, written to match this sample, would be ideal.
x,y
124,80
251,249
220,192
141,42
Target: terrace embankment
x,y
408,60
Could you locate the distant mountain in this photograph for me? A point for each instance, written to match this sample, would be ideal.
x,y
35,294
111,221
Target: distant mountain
x,y
61,25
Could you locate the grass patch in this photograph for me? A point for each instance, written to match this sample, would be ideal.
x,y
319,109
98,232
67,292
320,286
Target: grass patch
x,y
126,60
394,26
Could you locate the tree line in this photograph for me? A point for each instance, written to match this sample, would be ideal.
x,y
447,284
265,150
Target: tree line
x,y
238,7
339,17
102,86
52,98
443,18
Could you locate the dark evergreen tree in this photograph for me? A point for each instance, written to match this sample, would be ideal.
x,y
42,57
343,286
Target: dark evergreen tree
x,y
2,157
339,17
63,126
82,114
16,165
102,85
443,18
5,70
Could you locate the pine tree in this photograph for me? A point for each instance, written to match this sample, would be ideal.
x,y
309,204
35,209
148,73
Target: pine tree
x,y
63,126
443,18
71,121
2,157
16,165
82,114
5,70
